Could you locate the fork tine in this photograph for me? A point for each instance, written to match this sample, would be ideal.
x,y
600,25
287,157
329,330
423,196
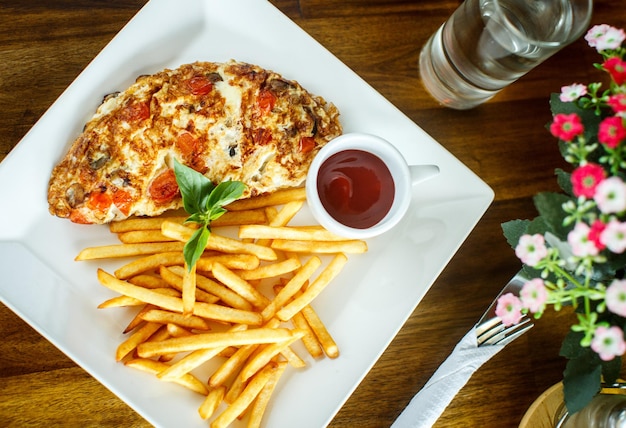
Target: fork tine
x,y
493,332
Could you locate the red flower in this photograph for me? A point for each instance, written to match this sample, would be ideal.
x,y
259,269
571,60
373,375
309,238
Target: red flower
x,y
566,126
617,102
594,234
616,68
586,178
611,131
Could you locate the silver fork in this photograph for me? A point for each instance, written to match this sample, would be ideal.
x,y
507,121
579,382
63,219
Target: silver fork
x,y
488,337
490,330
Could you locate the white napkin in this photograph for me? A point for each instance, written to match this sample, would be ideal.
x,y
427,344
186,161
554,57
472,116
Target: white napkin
x,y
429,403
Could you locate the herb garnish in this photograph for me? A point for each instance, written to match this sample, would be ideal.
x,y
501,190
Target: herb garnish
x,y
204,202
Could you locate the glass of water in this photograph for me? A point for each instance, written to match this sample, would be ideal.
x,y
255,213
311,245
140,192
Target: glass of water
x,y
487,44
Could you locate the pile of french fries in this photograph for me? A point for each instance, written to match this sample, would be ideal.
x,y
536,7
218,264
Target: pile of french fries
x,y
220,309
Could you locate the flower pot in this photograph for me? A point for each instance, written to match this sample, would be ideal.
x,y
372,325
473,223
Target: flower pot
x,y
606,410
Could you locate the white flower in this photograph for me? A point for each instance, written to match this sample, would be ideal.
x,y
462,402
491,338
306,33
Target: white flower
x,y
531,249
572,92
604,37
579,240
611,195
614,236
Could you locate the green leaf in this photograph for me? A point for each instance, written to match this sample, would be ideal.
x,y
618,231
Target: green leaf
x,y
570,348
550,207
194,248
581,380
611,369
226,192
513,231
564,179
194,187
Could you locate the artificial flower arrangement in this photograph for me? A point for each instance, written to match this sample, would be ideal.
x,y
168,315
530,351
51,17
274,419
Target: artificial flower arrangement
x,y
574,252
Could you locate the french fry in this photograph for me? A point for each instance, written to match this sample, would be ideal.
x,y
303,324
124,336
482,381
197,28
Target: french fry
x,y
177,281
240,286
294,233
292,287
155,367
142,223
166,317
139,236
119,301
279,197
231,261
320,247
128,250
235,390
177,331
217,242
230,366
326,340
324,278
137,320
150,262
260,403
213,340
194,359
246,397
205,310
229,218
271,270
140,336
211,402
266,354
310,341
148,281
189,289
224,293
237,218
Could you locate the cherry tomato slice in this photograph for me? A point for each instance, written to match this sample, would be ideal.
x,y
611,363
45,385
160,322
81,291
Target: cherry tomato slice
x,y
266,101
164,188
122,200
99,201
136,112
199,85
77,217
306,145
262,136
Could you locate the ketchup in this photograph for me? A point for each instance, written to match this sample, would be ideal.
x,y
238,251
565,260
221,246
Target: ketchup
x,y
356,188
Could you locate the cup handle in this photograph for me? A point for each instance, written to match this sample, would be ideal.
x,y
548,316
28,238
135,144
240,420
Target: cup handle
x,y
421,173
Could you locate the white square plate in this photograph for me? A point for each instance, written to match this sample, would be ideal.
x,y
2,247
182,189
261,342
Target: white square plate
x,y
58,296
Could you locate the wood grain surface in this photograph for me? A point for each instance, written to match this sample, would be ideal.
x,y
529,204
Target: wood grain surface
x,y
45,45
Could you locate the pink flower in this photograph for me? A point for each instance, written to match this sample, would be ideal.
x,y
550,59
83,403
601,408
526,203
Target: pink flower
x,y
578,239
612,131
531,248
585,179
509,309
614,236
534,295
611,195
595,234
616,68
604,37
608,342
616,297
566,126
617,102
572,92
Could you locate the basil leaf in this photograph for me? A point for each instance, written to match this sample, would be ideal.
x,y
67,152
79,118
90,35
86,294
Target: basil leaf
x,y
226,192
194,248
194,187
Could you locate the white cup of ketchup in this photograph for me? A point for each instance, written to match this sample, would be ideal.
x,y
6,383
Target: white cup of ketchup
x,y
359,185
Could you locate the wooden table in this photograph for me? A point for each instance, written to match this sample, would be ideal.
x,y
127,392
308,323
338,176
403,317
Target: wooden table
x,y
43,47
